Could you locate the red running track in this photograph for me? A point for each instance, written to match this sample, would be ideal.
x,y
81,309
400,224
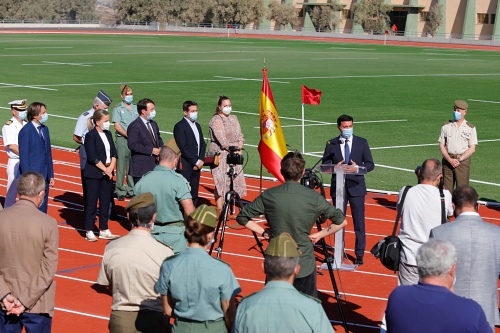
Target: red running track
x,y
81,307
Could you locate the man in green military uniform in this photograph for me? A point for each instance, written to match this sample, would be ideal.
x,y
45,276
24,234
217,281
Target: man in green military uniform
x,y
457,143
170,190
294,208
279,307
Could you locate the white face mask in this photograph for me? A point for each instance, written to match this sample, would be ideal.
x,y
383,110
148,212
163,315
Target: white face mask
x,y
193,116
227,110
105,126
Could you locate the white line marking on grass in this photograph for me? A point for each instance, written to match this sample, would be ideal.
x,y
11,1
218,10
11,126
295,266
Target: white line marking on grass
x,y
445,50
245,79
81,313
385,76
444,59
216,60
424,144
83,64
65,117
483,101
358,122
9,85
38,47
345,58
350,48
149,46
446,54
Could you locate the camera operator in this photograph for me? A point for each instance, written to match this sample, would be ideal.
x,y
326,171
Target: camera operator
x,y
293,208
225,132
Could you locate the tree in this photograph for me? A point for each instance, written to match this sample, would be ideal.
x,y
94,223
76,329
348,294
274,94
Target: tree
x,y
323,17
435,18
282,14
372,14
238,12
198,11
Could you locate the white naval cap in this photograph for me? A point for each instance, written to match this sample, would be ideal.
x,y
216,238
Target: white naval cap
x,y
19,104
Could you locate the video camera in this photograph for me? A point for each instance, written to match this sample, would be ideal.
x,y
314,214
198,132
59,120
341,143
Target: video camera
x,y
309,179
233,158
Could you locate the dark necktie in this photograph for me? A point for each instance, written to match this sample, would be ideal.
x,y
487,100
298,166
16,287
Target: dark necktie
x,y
151,133
347,152
41,135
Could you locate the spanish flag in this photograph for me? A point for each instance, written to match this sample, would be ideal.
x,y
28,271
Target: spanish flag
x,y
272,146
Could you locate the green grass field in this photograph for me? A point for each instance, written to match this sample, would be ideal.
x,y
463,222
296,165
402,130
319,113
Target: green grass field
x,y
399,96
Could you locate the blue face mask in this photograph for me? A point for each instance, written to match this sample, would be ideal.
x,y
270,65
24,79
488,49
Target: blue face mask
x,y
152,115
457,115
128,99
44,119
193,116
22,114
347,132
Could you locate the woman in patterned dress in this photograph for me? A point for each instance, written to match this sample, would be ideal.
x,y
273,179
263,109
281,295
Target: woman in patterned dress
x,y
225,131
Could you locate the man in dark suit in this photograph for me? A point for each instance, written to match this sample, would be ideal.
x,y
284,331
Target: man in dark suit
x,y
144,140
478,252
189,139
353,151
34,148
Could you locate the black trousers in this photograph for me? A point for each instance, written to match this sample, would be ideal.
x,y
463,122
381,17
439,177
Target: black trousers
x,y
102,190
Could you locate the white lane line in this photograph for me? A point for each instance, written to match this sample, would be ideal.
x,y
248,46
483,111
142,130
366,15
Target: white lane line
x,y
81,313
74,279
80,252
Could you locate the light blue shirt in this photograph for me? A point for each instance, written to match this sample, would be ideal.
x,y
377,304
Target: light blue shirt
x,y
197,283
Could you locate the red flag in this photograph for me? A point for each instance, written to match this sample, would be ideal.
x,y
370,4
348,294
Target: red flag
x,y
310,96
272,146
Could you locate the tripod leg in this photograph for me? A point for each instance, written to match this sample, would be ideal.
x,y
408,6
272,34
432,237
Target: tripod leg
x,y
332,278
259,243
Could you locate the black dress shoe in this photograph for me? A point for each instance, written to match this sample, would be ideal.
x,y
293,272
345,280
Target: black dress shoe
x,y
358,261
121,198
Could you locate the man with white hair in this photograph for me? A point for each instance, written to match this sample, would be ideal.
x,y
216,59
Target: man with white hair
x,y
431,306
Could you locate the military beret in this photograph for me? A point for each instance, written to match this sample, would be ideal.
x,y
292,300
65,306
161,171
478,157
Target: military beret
x,y
173,145
461,104
19,104
141,200
104,97
206,215
283,246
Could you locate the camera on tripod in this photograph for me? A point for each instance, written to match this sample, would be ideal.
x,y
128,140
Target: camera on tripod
x,y
309,179
233,158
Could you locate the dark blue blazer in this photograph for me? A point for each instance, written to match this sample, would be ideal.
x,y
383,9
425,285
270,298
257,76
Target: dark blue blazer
x,y
186,141
94,146
141,146
360,154
33,154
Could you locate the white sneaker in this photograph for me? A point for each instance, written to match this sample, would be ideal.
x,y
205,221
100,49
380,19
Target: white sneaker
x,y
90,236
106,234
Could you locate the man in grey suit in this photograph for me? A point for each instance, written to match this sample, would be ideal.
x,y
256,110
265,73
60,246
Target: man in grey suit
x,y
478,251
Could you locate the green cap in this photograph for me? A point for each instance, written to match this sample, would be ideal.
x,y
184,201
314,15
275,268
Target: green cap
x,y
461,104
206,215
141,200
283,246
173,145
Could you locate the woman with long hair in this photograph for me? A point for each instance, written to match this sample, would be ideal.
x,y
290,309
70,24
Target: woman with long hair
x,y
197,289
225,132
98,174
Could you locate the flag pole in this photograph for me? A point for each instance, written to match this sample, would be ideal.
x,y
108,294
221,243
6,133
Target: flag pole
x,y
260,182
303,138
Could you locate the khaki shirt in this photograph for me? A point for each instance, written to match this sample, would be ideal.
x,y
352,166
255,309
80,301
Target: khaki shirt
x,y
132,265
458,139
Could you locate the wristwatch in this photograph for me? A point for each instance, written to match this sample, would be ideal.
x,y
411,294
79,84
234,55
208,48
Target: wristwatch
x,y
266,234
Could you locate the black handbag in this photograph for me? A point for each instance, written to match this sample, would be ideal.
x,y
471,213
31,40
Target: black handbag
x,y
388,249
